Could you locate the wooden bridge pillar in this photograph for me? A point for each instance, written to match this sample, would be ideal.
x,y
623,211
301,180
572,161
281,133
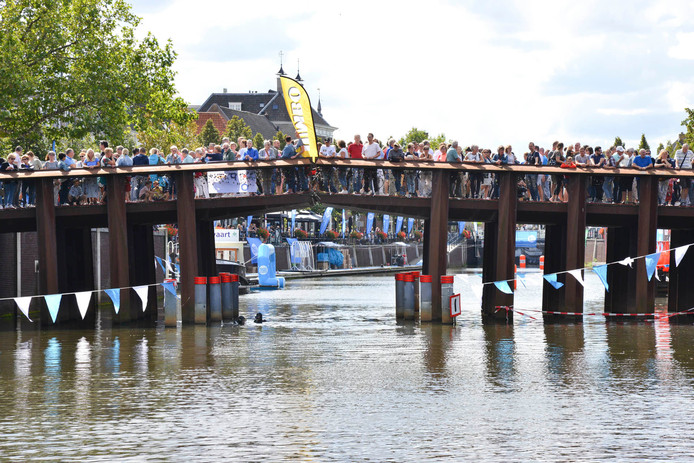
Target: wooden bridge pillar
x,y
436,239
75,273
646,242
621,297
555,261
47,244
575,244
680,288
187,244
502,246
118,252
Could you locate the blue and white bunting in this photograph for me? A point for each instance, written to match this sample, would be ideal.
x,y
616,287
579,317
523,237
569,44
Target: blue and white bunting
x,y
679,254
143,292
53,303
578,275
503,287
601,272
23,303
552,280
170,287
83,300
114,294
651,264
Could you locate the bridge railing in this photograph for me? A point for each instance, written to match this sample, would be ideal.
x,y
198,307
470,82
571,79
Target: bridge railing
x,y
407,178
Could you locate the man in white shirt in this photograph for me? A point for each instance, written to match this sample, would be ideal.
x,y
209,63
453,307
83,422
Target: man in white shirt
x,y
371,151
327,151
683,160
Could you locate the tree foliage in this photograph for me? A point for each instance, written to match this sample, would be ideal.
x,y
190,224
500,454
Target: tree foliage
x,y
660,148
237,128
209,134
643,144
280,136
618,142
688,123
259,140
417,135
71,68
181,135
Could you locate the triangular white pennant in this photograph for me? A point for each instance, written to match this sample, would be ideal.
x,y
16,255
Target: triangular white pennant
x,y
83,300
626,261
577,275
142,291
679,254
23,304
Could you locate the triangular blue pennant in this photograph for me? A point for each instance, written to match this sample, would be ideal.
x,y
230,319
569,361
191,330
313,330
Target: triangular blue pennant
x,y
170,287
178,268
651,264
552,280
114,294
521,278
601,272
503,287
53,303
161,263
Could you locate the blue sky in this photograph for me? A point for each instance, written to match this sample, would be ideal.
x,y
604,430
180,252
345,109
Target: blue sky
x,y
490,73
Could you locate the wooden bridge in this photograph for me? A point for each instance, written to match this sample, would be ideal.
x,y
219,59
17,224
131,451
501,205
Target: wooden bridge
x,y
64,239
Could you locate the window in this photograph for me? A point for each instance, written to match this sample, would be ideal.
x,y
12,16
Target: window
x,y
235,106
262,105
274,106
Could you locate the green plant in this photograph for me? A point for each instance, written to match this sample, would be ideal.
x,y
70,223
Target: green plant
x,y
331,234
301,234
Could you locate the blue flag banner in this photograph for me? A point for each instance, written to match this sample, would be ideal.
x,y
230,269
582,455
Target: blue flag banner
x,y
293,222
651,264
53,303
170,287
398,224
114,294
292,247
503,287
254,244
326,219
161,263
552,280
344,224
369,222
601,272
249,219
461,227
410,224
386,223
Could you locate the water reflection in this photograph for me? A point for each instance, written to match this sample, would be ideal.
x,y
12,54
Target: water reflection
x,y
500,356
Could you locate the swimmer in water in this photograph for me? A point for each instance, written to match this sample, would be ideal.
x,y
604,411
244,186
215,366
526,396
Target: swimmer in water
x,y
259,318
241,320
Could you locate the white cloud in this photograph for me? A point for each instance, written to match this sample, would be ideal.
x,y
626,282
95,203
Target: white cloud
x,y
486,73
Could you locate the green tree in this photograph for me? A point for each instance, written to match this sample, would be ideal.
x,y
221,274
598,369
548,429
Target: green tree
x,y
208,134
181,135
70,68
280,136
618,142
414,135
660,148
643,144
258,140
688,122
437,140
236,128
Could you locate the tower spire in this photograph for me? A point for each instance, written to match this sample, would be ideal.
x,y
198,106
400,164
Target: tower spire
x,y
298,75
320,110
281,71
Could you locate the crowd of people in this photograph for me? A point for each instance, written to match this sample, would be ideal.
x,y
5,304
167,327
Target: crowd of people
x,y
344,180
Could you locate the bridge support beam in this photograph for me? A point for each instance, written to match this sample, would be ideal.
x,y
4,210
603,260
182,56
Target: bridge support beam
x,y
187,242
575,245
553,300
435,239
499,252
47,243
680,291
118,253
621,297
646,242
141,246
75,273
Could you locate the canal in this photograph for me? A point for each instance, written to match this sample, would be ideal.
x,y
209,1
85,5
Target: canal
x,y
332,377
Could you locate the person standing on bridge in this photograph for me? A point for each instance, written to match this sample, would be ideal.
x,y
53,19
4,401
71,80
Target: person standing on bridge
x,y
371,151
683,160
327,151
289,152
355,152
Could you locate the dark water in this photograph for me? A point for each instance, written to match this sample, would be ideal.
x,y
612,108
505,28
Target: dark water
x,y
332,377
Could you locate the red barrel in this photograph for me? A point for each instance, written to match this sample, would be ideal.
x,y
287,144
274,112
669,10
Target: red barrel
x,y
226,277
425,278
447,279
522,261
200,280
214,280
234,277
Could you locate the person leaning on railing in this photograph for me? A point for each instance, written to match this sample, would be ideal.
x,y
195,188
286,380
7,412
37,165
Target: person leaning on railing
x,y
665,185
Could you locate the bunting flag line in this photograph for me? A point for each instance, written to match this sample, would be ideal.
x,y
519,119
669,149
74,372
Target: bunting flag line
x,y
503,287
53,303
142,291
679,254
626,261
114,294
23,304
578,276
601,272
651,264
161,263
170,287
552,280
83,300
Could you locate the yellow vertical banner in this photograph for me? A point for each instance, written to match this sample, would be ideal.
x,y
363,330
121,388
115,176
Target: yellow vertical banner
x,y
299,109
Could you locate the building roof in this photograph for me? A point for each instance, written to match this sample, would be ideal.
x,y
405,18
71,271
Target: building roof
x,y
258,124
